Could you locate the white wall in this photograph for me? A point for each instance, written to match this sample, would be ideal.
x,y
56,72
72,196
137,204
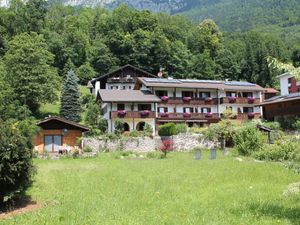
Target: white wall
x,y
284,85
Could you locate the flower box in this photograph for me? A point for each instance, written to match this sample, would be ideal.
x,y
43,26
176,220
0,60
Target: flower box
x,y
187,115
164,115
164,98
232,99
251,116
186,99
145,113
251,100
208,99
209,115
121,113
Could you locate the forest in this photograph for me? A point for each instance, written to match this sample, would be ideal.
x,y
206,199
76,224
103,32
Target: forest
x,y
40,43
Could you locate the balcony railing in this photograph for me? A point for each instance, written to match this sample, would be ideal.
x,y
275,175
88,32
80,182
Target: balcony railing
x,y
246,116
189,116
121,80
239,100
192,101
132,114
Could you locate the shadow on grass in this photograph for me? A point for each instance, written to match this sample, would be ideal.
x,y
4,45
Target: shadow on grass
x,y
277,211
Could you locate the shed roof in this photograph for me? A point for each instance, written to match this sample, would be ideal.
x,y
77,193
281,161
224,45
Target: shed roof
x,y
204,84
59,122
126,96
282,98
271,90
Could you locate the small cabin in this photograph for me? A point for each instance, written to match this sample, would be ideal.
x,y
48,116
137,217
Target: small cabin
x,y
58,135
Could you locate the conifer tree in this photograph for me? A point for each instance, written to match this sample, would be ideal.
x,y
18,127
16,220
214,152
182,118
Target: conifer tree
x,y
70,102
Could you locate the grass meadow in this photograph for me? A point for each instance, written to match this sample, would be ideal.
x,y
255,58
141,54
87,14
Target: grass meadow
x,y
176,190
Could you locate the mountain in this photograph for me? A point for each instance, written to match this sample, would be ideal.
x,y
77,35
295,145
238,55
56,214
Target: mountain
x,y
272,16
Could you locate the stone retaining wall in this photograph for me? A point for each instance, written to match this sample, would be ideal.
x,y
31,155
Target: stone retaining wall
x,y
182,142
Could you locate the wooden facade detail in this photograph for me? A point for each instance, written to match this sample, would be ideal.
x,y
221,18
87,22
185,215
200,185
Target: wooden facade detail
x,y
132,114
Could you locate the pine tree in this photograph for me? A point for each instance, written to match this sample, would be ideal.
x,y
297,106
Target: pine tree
x,y
70,102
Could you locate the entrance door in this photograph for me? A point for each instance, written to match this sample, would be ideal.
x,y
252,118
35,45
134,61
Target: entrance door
x,y
53,143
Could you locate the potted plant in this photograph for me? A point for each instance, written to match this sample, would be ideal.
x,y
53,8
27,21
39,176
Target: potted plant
x,y
164,115
187,114
186,99
251,115
232,99
145,113
208,99
164,98
251,100
209,115
121,113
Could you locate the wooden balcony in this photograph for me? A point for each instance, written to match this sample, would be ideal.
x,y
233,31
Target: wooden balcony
x,y
245,116
193,101
240,100
186,116
132,114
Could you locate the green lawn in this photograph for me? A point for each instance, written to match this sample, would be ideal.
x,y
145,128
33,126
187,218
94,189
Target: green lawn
x,y
176,190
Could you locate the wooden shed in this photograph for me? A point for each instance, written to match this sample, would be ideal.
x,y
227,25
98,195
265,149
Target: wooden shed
x,y
58,135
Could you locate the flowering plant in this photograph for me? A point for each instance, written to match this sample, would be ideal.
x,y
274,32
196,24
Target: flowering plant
x,y
232,99
251,100
186,99
121,113
145,113
208,115
251,115
208,99
187,114
164,115
164,98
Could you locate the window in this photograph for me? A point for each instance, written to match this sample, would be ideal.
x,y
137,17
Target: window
x,y
231,94
142,107
187,94
124,87
52,143
111,87
248,110
121,106
247,94
290,80
188,110
161,93
162,109
204,94
129,87
205,110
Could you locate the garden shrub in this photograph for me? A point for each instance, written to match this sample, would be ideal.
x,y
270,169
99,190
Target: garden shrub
x,y
297,125
87,149
16,167
166,130
119,126
222,132
134,133
272,125
166,147
153,155
181,128
147,130
248,139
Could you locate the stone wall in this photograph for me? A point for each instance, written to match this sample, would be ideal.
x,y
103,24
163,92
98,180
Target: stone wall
x,y
182,142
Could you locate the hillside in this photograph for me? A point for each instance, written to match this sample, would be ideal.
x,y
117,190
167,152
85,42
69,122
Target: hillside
x,y
271,16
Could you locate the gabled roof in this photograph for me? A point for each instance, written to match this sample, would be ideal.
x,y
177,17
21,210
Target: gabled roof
x,y
203,84
120,69
126,96
47,122
282,98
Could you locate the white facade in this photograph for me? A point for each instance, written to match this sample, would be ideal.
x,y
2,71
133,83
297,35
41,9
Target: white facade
x,y
284,83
